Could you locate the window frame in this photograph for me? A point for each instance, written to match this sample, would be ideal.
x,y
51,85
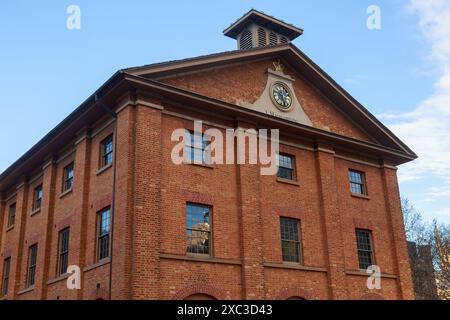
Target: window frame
x,y
100,237
210,232
293,169
37,202
358,249
66,177
6,275
104,154
190,147
62,253
12,217
298,241
31,265
362,184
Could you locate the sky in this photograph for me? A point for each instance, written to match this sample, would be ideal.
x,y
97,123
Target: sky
x,y
400,72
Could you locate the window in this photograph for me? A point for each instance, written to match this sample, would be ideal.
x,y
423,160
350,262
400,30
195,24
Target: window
x,y
106,152
198,225
12,215
63,251
31,272
261,37
103,226
37,201
365,247
286,167
245,42
5,277
357,182
290,243
68,177
197,148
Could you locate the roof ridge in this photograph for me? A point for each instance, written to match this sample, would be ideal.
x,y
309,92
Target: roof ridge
x,y
198,57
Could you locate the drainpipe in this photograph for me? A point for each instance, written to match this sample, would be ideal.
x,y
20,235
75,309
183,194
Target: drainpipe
x,y
114,116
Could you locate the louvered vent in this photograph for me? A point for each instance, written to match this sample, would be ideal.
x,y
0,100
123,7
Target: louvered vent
x,y
283,40
246,40
273,39
261,37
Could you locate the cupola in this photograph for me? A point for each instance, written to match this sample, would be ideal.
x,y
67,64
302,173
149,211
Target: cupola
x,y
256,29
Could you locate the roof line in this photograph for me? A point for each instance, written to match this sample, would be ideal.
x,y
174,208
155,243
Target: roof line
x,y
266,16
60,126
195,95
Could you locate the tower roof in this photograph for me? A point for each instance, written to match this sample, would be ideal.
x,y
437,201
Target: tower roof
x,y
254,16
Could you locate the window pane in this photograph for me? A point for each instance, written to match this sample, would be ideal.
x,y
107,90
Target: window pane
x,y
356,182
12,215
103,223
63,251
290,244
195,149
32,257
289,229
290,251
285,167
364,246
5,278
198,229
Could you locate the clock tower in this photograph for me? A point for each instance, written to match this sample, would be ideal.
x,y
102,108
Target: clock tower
x,y
256,29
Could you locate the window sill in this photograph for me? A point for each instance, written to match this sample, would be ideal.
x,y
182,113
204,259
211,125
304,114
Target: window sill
x,y
287,181
103,169
65,193
361,196
10,228
199,258
296,266
204,165
97,265
36,211
29,289
58,279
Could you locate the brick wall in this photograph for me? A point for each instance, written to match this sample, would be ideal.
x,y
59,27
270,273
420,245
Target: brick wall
x,y
149,258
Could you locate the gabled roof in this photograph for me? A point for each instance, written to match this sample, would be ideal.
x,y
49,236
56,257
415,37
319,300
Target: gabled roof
x,y
254,16
146,78
298,60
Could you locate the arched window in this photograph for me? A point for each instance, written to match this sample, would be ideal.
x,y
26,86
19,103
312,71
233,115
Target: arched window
x,y
273,39
245,42
261,37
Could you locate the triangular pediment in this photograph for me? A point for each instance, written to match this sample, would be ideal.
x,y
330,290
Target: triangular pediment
x,y
246,78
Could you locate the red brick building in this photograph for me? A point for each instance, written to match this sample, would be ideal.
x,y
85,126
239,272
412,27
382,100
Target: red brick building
x,y
100,191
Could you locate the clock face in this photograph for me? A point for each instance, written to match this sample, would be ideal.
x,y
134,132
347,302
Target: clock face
x,y
281,96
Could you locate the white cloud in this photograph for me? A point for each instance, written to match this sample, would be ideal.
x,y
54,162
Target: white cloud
x,y
427,128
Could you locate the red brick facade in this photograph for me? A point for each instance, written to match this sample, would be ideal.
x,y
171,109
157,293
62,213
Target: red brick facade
x,y
148,194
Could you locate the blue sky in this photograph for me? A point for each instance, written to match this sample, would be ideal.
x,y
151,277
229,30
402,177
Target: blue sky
x,y
400,73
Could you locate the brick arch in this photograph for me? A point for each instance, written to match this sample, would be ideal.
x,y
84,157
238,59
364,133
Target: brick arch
x,y
295,292
198,288
99,294
371,296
